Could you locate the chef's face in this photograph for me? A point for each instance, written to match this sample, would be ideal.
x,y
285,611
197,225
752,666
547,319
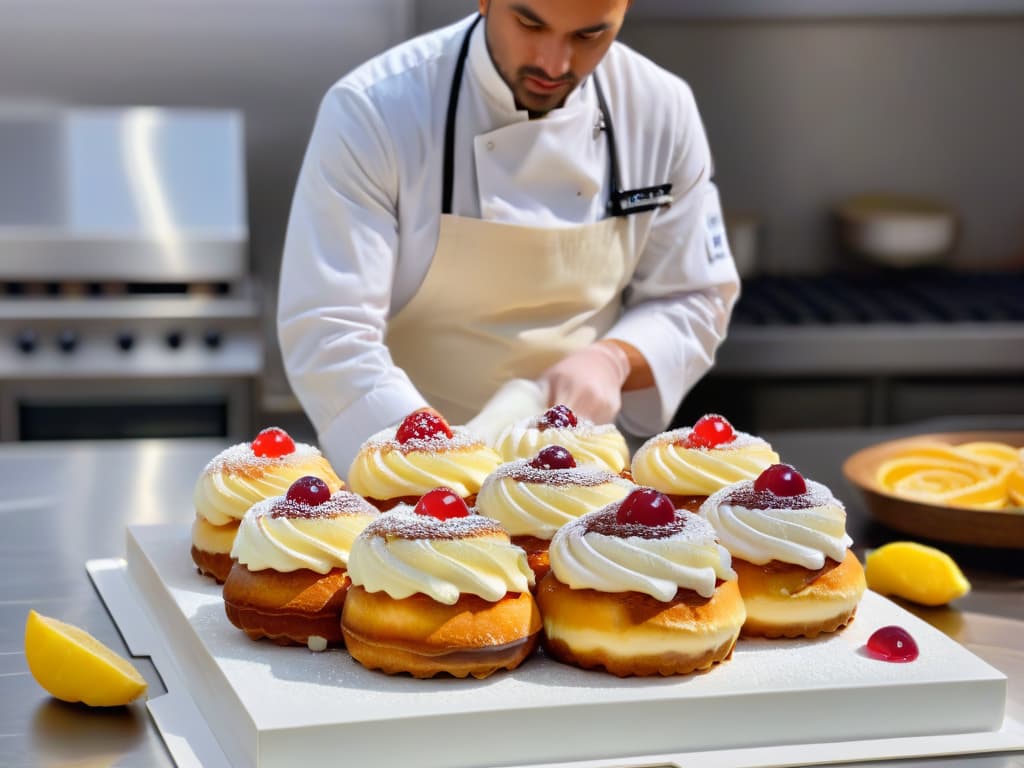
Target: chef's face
x,y
544,48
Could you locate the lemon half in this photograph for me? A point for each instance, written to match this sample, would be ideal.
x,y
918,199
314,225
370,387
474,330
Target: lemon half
x,y
72,665
915,572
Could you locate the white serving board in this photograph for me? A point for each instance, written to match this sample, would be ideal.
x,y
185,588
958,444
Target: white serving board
x,y
270,706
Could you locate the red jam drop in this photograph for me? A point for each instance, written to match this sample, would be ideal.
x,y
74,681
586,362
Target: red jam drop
x,y
709,431
782,480
647,507
892,643
423,424
272,443
442,503
553,457
308,490
559,417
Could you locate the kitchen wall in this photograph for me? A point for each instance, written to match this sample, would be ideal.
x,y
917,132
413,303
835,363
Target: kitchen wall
x,y
800,113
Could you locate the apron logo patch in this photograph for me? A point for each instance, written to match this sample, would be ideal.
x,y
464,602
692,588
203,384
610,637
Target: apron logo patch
x,y
714,234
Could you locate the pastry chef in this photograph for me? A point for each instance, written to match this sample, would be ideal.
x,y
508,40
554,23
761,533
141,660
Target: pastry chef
x,y
515,196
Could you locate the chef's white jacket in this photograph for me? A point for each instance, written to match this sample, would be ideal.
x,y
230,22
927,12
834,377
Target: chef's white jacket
x,y
364,220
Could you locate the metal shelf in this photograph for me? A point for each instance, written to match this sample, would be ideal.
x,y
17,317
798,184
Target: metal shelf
x,y
823,9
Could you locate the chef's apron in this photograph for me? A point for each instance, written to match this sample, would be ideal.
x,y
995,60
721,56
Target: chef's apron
x,y
502,301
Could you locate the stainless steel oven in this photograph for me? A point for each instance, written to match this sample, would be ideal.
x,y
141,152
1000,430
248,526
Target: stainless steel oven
x,y
127,308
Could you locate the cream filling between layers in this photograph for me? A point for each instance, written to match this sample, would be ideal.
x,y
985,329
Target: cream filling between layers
x,y
222,495
803,537
655,567
638,642
589,444
288,544
215,539
442,569
777,610
540,509
672,468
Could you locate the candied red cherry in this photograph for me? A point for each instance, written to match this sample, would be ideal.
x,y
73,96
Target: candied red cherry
x,y
892,643
782,480
709,431
273,443
423,424
647,507
553,457
558,417
442,503
308,490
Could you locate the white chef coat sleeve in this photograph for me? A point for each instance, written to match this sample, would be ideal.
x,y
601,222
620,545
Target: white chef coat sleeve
x,y
678,303
336,279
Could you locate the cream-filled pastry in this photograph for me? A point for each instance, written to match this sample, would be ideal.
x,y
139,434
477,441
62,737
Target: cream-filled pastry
x,y
289,579
436,589
534,498
691,463
640,588
791,552
589,443
400,464
237,478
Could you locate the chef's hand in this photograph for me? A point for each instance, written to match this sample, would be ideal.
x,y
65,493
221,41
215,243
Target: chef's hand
x,y
590,381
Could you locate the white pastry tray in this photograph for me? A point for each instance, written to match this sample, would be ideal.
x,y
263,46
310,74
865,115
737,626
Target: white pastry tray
x,y
233,701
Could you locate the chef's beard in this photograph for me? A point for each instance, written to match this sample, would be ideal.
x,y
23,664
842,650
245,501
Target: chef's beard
x,y
539,104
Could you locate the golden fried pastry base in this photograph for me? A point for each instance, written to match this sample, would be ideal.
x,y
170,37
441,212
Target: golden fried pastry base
x,y
630,633
689,503
424,638
214,564
786,600
536,555
287,608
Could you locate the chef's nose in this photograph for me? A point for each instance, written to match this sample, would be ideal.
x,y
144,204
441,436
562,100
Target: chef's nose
x,y
554,56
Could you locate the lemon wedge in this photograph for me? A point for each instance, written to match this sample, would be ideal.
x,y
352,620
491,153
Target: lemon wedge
x,y
915,572
72,665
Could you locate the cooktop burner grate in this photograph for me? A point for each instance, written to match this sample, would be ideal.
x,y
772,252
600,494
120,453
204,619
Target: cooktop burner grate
x,y
911,297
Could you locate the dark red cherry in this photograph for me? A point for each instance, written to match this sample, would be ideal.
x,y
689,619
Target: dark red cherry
x,y
423,424
782,480
442,503
272,443
308,490
558,416
553,457
709,431
892,643
647,507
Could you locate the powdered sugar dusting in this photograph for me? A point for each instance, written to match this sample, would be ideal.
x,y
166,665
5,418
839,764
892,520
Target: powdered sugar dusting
x,y
742,494
341,504
462,439
239,459
680,436
685,526
403,523
586,475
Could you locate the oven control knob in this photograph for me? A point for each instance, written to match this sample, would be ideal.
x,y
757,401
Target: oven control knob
x,y
125,340
67,340
212,338
174,339
27,341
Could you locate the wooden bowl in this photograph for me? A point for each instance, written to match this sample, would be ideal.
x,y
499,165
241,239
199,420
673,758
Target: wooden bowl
x,y
959,525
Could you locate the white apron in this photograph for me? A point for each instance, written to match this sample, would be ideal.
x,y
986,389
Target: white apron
x,y
502,301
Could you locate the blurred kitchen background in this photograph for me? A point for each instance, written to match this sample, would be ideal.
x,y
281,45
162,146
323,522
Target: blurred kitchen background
x,y
870,157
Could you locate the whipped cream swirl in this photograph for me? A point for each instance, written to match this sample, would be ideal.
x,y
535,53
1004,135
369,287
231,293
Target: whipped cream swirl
x,y
665,462
236,478
594,552
537,502
403,553
387,469
589,443
761,527
287,536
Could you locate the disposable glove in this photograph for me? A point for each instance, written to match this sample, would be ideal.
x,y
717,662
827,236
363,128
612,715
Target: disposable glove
x,y
590,381
517,399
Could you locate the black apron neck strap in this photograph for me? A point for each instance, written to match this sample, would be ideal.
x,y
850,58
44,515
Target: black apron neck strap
x,y
448,173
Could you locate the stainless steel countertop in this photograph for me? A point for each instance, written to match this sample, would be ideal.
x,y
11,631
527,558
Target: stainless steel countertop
x,y
65,503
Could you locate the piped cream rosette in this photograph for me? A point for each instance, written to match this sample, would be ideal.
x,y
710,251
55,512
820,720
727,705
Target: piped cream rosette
x,y
667,463
387,469
589,443
403,553
285,536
